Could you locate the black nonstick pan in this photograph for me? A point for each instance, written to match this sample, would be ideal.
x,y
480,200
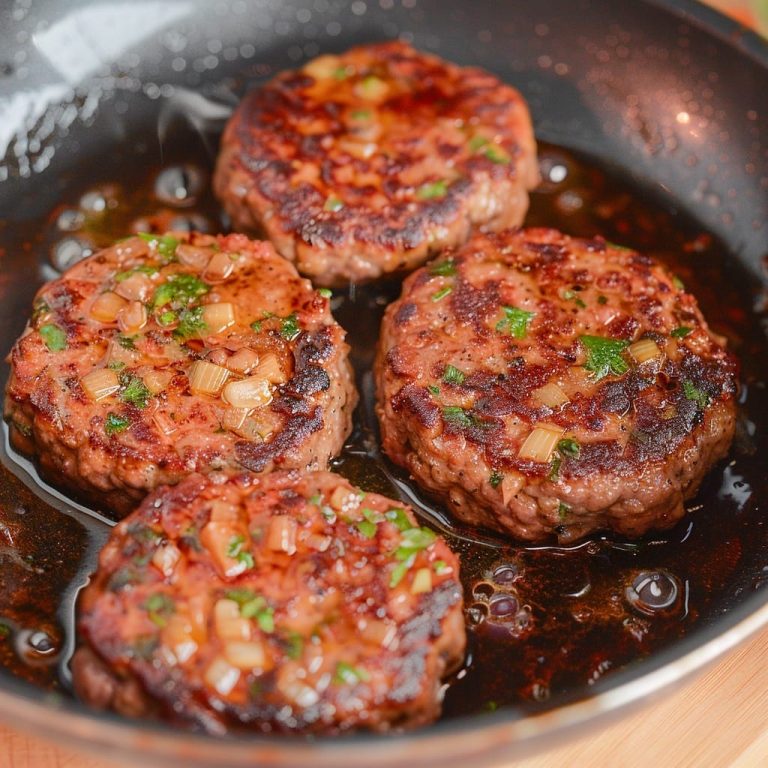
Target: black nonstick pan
x,y
651,118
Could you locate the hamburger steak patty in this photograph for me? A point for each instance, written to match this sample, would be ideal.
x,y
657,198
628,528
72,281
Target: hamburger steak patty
x,y
165,355
542,384
369,162
283,602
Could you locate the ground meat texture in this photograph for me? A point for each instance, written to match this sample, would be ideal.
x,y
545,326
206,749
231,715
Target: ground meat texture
x,y
283,602
165,355
367,163
541,384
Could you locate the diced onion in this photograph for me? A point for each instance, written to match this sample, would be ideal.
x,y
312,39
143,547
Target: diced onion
x,y
323,67
137,287
234,418
252,392
223,512
218,356
344,500
378,632
281,536
219,268
177,635
107,307
218,317
550,395
245,655
229,624
318,542
157,381
165,558
132,318
644,350
244,361
192,255
206,378
269,368
216,538
119,354
422,581
540,443
100,383
297,692
222,676
164,422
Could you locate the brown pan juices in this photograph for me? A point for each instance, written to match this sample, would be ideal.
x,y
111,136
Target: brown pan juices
x,y
544,621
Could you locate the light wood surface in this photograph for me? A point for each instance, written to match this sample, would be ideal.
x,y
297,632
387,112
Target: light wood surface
x,y
717,720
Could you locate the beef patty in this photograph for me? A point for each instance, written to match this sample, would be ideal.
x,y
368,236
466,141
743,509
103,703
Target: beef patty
x,y
542,384
165,355
282,602
366,163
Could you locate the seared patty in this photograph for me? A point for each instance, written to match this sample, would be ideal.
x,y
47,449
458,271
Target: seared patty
x,y
162,356
542,384
284,602
366,163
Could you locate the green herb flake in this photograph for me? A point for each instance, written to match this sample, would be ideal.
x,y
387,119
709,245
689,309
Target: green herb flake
x,y
681,332
164,244
554,469
179,290
159,607
399,518
495,479
115,365
412,541
477,142
315,499
340,73
114,424
360,114
366,528
191,323
333,204
432,190
442,293
678,283
602,299
54,337
446,268
440,566
453,375
236,552
127,342
455,414
515,322
433,389
134,391
496,155
562,511
692,392
256,326
5,630
604,356
294,646
145,269
289,327
346,674
569,447
617,247
326,293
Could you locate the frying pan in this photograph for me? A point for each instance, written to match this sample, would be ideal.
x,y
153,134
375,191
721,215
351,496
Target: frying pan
x,y
666,91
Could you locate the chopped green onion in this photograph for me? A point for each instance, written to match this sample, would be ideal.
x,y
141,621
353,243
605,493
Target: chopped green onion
x,y
399,518
442,293
366,528
165,244
569,447
445,268
453,375
159,607
294,646
289,327
114,424
333,204
235,550
340,73
326,293
477,142
562,511
681,331
253,606
432,190
360,114
496,155
349,675
440,566
433,389
412,541
54,337
515,322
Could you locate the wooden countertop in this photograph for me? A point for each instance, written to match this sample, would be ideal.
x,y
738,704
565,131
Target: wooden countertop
x,y
717,720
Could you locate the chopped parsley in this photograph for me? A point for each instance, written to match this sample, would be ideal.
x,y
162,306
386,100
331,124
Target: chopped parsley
x,y
515,322
399,518
554,469
134,391
442,293
165,244
127,342
333,204
433,389
253,606
496,155
445,268
562,511
166,318
179,290
294,645
346,674
115,365
289,327
326,293
575,298
54,337
680,332
453,375
236,552
604,356
692,392
159,607
455,414
412,541
569,447
602,299
191,323
477,142
114,424
495,479
432,189
366,528
440,566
